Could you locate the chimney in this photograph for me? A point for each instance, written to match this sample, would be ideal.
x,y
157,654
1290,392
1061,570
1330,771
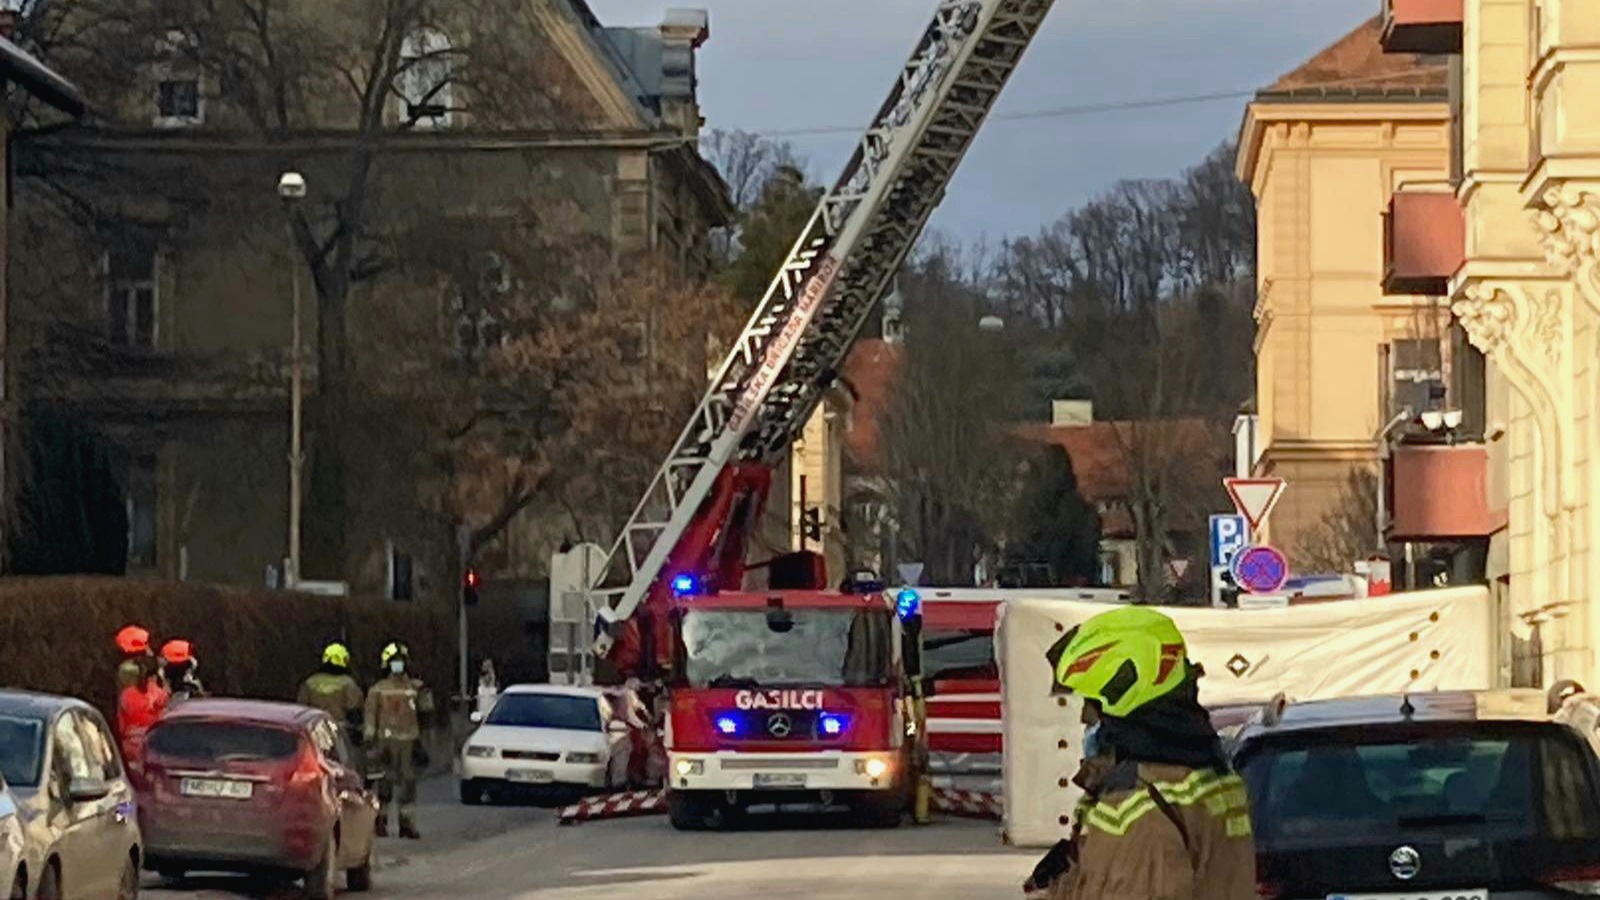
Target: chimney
x,y
683,32
1071,413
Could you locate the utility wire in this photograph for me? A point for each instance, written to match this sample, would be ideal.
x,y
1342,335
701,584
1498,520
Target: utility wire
x,y
1085,109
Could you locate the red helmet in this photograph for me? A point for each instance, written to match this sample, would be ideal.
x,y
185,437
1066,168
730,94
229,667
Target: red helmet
x,y
176,652
133,639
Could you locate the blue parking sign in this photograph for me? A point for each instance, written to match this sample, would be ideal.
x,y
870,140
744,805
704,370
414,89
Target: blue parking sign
x,y
1229,535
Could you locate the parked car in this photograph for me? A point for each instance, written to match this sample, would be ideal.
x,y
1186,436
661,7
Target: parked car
x,y
13,867
1478,795
256,787
80,836
545,737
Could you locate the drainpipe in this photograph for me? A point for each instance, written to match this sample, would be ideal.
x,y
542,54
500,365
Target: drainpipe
x,y
1382,440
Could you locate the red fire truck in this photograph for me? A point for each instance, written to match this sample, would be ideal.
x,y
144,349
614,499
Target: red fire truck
x,y
671,601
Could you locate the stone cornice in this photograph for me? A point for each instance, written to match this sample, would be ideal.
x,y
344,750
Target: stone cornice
x,y
1568,217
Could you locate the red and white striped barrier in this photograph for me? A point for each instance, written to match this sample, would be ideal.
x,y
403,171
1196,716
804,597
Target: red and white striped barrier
x,y
615,806
968,804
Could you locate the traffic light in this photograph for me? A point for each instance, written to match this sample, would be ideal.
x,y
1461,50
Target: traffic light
x,y
469,587
811,524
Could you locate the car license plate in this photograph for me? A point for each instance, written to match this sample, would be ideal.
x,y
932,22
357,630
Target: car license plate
x,y
780,781
216,787
1480,894
531,776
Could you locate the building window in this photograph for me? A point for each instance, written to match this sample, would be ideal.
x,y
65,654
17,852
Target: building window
x,y
139,496
179,103
425,79
1416,376
634,342
131,295
477,309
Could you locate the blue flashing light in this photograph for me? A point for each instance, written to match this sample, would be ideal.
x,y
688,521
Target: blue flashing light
x,y
684,585
727,725
832,725
907,603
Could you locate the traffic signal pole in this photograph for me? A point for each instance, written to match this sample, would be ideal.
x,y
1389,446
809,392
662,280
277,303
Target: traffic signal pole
x,y
464,548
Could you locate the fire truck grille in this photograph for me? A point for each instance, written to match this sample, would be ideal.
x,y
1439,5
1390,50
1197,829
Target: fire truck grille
x,y
780,764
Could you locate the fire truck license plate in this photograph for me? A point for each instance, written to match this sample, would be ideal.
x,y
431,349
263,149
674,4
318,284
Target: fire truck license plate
x,y
780,781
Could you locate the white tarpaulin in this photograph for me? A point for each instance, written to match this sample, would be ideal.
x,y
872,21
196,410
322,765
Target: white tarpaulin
x,y
1430,640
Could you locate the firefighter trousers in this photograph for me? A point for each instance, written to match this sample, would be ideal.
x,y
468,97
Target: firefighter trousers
x,y
399,784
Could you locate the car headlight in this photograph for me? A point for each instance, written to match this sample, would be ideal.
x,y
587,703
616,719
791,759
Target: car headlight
x,y
872,768
583,759
688,767
479,751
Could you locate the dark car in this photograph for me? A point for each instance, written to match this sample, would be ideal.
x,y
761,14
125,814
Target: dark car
x,y
1461,795
80,840
250,786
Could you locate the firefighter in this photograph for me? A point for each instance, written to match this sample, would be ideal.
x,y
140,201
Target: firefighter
x,y
180,665
334,690
396,707
1163,814
140,701
133,642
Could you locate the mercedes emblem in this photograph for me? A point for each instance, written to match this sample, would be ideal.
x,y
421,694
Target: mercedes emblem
x,y
779,725
1405,863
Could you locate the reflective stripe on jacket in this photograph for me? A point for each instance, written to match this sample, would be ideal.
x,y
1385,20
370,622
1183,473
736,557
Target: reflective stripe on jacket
x,y
1163,832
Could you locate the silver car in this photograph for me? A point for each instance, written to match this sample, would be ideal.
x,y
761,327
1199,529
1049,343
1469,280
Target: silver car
x,y
79,824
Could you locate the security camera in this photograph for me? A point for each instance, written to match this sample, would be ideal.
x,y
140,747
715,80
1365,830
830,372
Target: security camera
x,y
1452,418
1433,420
292,186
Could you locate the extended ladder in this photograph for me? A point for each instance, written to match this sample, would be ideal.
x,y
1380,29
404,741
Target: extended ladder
x,y
793,346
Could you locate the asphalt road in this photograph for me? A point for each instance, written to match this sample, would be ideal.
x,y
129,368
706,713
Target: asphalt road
x,y
519,853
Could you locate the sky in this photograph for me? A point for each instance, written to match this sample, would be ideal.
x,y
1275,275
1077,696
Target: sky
x,y
785,65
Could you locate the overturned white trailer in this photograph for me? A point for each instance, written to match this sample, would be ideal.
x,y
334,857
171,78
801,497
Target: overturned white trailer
x,y
1424,641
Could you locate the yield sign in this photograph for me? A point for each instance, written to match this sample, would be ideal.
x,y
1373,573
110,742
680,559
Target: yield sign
x,y
1254,497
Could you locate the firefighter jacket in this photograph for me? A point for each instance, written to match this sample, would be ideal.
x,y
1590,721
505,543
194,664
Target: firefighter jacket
x,y
395,707
1153,831
335,693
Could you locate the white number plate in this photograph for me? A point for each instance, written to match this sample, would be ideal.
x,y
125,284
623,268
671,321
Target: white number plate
x,y
531,776
216,787
780,781
1480,894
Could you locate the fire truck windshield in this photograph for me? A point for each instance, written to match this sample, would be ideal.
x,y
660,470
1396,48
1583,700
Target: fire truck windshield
x,y
828,647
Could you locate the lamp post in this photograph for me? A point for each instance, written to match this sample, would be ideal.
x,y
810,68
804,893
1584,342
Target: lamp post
x,y
292,190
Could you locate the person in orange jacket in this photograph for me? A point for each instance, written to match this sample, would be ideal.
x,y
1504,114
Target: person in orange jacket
x,y
138,706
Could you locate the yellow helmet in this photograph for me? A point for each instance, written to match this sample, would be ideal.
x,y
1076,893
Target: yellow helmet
x,y
1123,659
336,654
395,649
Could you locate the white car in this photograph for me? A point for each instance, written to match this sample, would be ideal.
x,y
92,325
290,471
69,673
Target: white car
x,y
545,736
13,874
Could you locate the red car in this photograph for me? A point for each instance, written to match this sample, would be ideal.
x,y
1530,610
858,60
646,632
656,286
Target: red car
x,y
256,787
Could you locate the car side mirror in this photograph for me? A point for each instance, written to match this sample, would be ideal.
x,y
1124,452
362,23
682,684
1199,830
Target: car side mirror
x,y
87,790
475,717
617,726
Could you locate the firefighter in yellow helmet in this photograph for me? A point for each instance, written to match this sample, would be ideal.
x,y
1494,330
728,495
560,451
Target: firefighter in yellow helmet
x,y
1163,814
396,709
333,689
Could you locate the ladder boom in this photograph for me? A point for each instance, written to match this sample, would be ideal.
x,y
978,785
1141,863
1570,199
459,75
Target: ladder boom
x,y
844,260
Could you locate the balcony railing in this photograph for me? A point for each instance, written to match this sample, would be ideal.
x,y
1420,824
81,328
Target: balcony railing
x,y
1424,240
1438,492
1422,26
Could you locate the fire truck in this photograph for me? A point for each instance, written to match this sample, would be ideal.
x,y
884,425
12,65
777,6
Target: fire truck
x,y
670,602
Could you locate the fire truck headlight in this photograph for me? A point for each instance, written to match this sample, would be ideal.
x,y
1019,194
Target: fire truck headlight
x,y
872,768
687,767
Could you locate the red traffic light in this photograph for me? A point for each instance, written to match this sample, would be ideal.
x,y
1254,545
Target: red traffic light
x,y
471,578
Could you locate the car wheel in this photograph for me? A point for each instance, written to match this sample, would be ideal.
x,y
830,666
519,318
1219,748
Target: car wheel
x,y
359,879
472,792
319,881
49,884
128,884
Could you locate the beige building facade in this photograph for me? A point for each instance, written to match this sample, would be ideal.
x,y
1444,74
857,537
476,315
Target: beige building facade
x,y
1322,150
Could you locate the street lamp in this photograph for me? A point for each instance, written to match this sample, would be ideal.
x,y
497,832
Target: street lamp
x,y
292,190
991,324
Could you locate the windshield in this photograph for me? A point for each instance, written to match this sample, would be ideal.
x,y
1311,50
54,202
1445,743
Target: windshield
x,y
21,750
829,647
222,742
1507,785
959,656
546,711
